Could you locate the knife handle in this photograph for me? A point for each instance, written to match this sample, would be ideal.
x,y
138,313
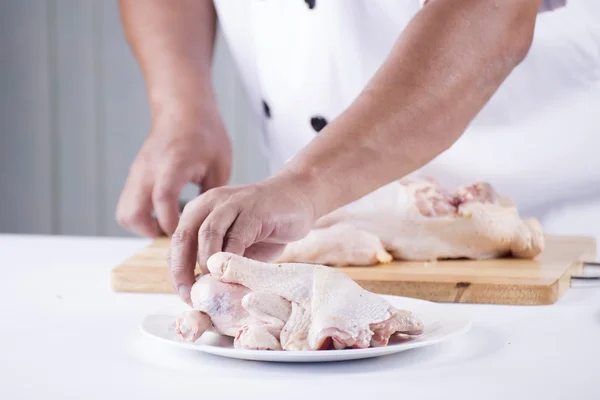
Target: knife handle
x,y
589,270
589,275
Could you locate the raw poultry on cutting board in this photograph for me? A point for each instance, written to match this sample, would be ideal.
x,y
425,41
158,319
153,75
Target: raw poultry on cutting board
x,y
294,306
420,220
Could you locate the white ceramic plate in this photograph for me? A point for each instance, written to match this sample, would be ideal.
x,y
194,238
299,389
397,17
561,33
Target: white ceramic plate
x,y
439,326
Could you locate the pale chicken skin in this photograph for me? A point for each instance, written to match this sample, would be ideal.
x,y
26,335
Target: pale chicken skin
x,y
292,306
255,320
418,220
338,245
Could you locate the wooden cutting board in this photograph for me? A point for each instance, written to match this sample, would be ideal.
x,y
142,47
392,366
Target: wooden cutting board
x,y
498,281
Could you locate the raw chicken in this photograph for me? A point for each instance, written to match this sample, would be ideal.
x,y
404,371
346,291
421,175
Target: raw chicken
x,y
254,319
419,220
340,244
290,307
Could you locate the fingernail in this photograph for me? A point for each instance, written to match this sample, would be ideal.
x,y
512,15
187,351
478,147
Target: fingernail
x,y
184,293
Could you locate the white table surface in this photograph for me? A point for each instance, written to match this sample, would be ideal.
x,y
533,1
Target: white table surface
x,y
65,335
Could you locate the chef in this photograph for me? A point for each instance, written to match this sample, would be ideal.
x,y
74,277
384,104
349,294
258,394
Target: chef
x,y
353,95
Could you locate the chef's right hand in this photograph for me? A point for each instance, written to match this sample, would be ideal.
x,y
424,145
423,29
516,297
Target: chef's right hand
x,y
182,147
255,220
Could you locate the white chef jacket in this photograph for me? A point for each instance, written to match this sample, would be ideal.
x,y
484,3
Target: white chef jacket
x,y
302,62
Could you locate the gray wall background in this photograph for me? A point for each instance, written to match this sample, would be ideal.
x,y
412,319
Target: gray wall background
x,y
73,113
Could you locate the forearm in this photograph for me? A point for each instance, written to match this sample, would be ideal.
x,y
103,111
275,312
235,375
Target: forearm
x,y
173,42
444,67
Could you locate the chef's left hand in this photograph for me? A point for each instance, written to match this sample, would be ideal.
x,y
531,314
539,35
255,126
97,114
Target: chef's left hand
x,y
254,220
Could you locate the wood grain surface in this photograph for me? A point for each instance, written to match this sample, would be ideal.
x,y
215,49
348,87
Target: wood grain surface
x,y
495,281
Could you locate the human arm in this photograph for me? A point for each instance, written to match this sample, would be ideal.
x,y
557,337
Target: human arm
x,y
444,67
173,44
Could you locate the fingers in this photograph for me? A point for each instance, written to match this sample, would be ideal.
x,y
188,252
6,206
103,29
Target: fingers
x,y
213,231
134,210
165,197
263,251
199,234
215,177
184,247
241,235
291,281
181,260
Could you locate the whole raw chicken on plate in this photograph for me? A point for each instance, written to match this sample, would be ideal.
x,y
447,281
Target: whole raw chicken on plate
x,y
291,307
